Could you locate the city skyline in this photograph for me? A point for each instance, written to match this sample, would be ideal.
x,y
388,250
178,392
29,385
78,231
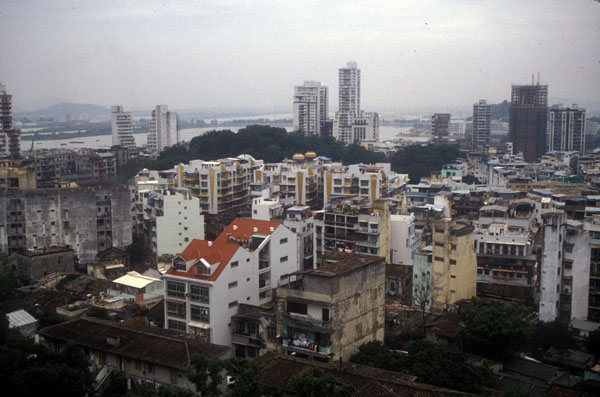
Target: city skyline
x,y
236,54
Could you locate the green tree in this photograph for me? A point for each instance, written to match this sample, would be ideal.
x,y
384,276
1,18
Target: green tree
x,y
593,343
30,369
496,330
433,363
98,312
319,384
553,334
205,373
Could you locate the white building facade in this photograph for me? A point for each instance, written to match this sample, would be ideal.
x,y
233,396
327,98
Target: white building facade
x,y
122,128
311,107
210,278
164,129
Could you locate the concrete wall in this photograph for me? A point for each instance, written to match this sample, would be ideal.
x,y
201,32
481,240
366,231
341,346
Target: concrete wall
x,y
550,265
403,242
68,217
181,223
358,314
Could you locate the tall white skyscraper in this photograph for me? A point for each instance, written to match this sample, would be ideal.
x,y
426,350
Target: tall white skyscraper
x,y
122,128
164,129
481,125
349,89
311,107
349,102
567,128
351,124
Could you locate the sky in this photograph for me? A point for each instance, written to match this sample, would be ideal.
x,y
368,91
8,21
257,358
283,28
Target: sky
x,y
250,54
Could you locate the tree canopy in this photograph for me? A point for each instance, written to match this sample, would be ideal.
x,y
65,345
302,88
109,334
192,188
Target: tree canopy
x,y
496,330
273,144
431,362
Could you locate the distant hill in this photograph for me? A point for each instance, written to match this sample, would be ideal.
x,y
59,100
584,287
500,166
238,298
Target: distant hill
x,y
500,111
61,110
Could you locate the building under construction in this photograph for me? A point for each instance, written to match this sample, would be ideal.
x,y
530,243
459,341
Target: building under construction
x,y
527,120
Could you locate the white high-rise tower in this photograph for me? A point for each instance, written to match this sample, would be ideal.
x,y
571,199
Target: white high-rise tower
x,y
122,128
164,129
311,107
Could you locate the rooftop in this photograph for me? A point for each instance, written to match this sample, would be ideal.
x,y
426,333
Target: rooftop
x,y
20,318
339,263
367,381
157,345
45,251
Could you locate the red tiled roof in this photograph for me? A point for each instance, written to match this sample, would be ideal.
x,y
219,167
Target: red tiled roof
x,y
244,228
216,252
222,249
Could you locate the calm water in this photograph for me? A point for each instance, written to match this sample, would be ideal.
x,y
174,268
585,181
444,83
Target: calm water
x,y
105,141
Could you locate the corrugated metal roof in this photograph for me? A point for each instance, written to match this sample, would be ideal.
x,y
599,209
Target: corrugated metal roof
x,y
20,318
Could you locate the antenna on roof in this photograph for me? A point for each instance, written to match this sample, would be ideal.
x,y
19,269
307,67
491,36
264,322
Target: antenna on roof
x,y
538,83
532,79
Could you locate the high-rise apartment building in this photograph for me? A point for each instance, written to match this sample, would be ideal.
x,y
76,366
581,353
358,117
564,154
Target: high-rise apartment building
x,y
349,102
349,88
164,129
10,139
352,125
122,128
481,124
527,120
311,107
440,127
567,129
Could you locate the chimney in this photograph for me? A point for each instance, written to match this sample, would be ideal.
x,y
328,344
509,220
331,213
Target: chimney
x,y
210,243
255,230
272,229
234,227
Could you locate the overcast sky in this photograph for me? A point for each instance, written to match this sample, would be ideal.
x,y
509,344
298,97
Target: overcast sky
x,y
228,53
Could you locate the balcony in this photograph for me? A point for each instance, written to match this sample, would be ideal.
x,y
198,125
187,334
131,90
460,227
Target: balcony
x,y
307,323
248,340
305,347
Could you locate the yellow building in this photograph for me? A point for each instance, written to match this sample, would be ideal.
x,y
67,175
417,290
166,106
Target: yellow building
x,y
17,178
454,264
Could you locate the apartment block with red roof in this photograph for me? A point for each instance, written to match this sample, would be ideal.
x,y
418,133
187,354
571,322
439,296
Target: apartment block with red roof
x,y
210,278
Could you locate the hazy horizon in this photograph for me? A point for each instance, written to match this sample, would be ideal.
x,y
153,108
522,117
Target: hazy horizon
x,y
236,54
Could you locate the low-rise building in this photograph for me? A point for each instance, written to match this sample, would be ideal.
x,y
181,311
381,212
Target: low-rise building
x,y
142,353
327,313
33,264
137,287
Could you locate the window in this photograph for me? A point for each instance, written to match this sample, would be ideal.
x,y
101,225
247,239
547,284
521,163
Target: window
x,y
234,264
297,307
175,290
283,259
233,304
452,276
453,261
199,313
232,284
198,293
438,244
283,241
325,314
439,259
176,325
179,264
149,368
176,309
